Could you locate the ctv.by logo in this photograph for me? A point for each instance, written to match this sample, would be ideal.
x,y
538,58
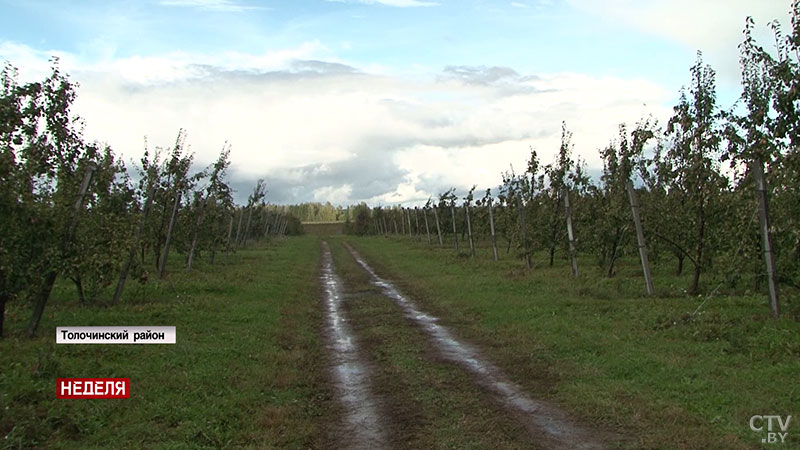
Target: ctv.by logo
x,y
757,424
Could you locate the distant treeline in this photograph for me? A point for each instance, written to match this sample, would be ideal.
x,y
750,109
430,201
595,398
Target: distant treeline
x,y
317,212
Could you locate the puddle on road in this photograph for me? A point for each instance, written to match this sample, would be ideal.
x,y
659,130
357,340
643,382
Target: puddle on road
x,y
541,418
363,427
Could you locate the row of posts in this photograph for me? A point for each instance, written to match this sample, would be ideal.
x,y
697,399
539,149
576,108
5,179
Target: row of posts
x,y
382,228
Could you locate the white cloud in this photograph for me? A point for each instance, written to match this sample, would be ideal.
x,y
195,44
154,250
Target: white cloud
x,y
321,130
333,194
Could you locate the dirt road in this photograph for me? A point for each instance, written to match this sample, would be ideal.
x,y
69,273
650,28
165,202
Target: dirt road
x,y
471,403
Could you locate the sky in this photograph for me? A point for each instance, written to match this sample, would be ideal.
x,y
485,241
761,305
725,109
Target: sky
x,y
382,101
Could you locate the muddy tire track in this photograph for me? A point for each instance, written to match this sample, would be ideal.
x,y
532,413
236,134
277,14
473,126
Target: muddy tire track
x,y
363,427
548,426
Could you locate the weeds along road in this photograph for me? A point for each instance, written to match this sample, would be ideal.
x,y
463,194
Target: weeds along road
x,y
406,381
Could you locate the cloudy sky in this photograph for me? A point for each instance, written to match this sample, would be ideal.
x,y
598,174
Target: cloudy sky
x,y
384,101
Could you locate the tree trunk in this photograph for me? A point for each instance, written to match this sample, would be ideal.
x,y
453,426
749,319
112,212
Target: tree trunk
x,y
3,300
79,288
162,271
698,257
50,277
553,234
614,246
194,237
123,275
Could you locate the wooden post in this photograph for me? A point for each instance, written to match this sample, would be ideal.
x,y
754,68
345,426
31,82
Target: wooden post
x,y
383,219
637,222
66,240
408,217
215,234
427,230
469,232
266,223
402,221
247,226
285,225
438,228
230,233
570,234
275,226
491,227
123,275
766,240
194,236
523,232
162,271
238,230
416,219
453,215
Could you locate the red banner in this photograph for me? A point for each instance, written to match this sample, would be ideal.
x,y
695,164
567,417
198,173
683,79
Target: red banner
x,y
93,388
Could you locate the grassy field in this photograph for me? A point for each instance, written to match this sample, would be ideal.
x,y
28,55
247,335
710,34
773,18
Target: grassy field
x,y
249,368
645,368
246,370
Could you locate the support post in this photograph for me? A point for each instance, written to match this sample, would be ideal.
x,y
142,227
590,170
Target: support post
x,y
438,228
570,234
66,240
491,228
637,222
427,230
523,232
162,271
469,232
453,215
766,240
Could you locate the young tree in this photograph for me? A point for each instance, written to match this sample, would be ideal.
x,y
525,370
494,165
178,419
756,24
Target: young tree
x,y
693,158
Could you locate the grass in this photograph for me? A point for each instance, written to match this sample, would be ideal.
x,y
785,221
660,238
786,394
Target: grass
x,y
249,369
645,368
244,372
